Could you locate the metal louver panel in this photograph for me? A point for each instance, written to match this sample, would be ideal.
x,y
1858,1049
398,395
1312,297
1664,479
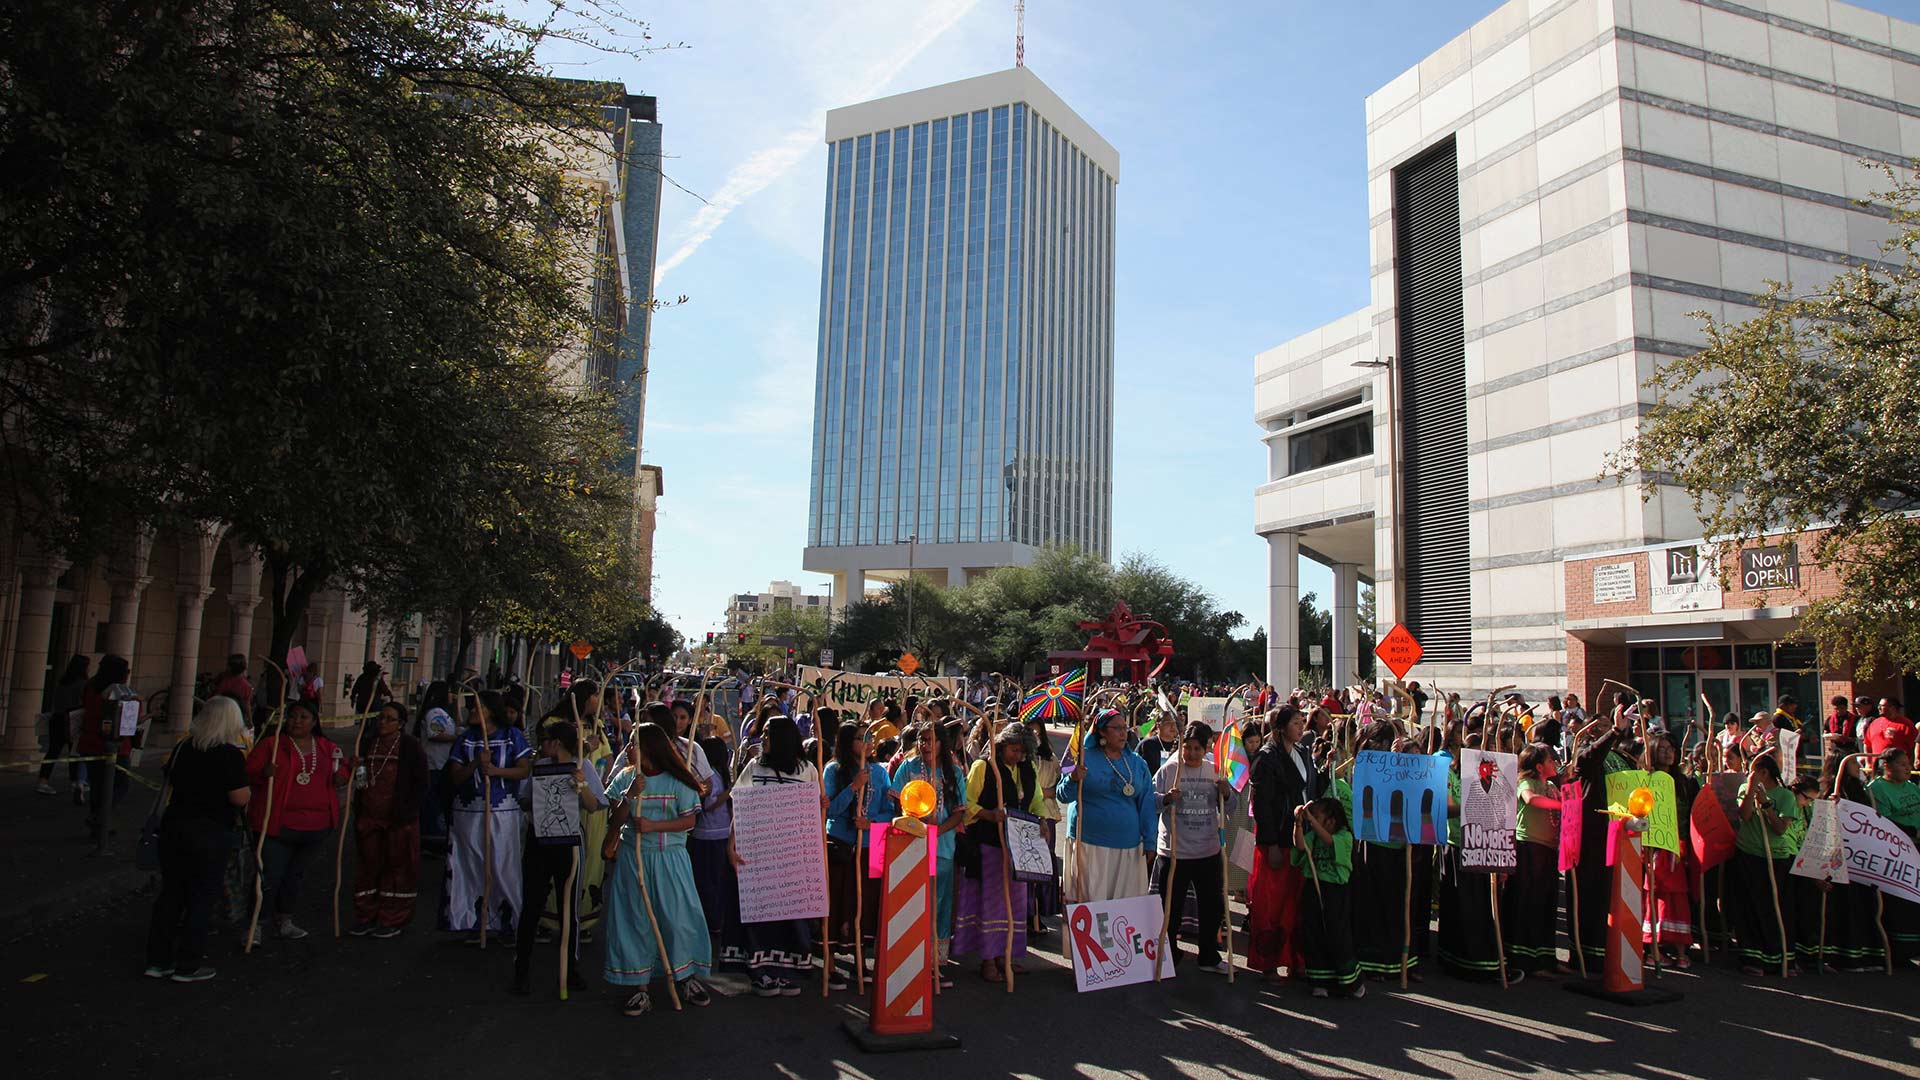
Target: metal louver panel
x,y
1432,369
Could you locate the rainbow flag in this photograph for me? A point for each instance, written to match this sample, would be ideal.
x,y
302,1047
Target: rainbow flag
x,y
1230,757
1056,699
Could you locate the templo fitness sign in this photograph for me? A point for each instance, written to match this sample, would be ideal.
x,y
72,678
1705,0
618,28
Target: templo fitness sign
x,y
1770,567
1685,577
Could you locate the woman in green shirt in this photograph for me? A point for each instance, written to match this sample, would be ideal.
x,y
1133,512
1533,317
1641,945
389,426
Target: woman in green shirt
x,y
1897,798
1768,810
1530,905
1323,850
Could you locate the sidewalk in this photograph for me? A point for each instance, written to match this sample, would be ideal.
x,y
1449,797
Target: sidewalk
x,y
50,873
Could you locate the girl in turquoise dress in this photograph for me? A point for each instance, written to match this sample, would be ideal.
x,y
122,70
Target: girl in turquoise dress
x,y
668,799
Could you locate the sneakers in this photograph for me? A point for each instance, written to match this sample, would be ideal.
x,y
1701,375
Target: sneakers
x,y
837,980
1359,992
361,929
1218,967
694,992
788,988
285,930
766,986
638,1005
45,789
199,974
384,932
158,971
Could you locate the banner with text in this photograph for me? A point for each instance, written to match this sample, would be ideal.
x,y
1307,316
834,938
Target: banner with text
x,y
1114,942
1878,852
853,688
1489,794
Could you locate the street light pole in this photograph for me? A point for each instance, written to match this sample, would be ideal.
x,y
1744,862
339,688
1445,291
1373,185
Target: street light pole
x,y
911,540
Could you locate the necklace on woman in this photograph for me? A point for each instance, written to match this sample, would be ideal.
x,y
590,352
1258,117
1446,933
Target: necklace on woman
x,y
1126,780
304,776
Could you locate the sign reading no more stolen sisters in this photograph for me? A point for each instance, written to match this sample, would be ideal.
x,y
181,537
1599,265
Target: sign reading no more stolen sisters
x,y
776,830
1489,793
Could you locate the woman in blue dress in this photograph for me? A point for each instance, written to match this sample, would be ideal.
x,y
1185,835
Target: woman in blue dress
x,y
668,800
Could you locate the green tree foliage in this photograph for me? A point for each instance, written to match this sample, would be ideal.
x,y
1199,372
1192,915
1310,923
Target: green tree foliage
x,y
1803,417
300,266
807,628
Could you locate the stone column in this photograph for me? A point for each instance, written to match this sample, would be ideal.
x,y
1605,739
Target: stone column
x,y
244,597
1283,610
1345,669
192,586
128,578
33,635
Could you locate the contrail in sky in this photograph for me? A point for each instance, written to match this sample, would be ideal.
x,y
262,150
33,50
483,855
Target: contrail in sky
x,y
770,163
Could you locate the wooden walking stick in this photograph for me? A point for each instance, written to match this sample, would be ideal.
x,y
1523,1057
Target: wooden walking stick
x,y
1579,953
640,870
860,823
346,818
1006,870
566,920
486,822
1880,924
1773,887
826,921
1499,941
1166,881
266,817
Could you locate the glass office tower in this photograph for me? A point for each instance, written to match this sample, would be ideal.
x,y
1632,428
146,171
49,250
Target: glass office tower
x,y
963,397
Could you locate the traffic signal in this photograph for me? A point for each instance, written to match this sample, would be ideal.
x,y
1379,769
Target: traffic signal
x,y
743,638
789,654
709,639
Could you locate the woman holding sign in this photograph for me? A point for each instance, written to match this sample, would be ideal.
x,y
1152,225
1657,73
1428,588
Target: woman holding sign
x,y
1110,814
1897,798
668,799
779,953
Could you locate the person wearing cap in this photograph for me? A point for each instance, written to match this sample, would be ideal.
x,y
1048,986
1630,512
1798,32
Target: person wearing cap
x,y
983,910
1863,714
306,771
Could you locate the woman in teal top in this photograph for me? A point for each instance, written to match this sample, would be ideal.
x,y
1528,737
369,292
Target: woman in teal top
x,y
1768,811
1323,850
936,765
1897,798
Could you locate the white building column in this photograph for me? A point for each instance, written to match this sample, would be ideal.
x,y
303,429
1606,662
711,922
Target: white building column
x,y
192,586
128,578
849,587
1283,610
244,597
1345,670
32,637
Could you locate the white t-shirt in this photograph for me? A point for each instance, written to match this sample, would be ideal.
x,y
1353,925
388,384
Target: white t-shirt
x,y
1199,807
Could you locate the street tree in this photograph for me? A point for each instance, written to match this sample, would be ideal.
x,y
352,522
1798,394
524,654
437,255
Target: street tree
x,y
1802,417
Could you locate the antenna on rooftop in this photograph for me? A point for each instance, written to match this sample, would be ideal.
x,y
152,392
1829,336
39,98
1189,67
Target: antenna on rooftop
x,y
1019,33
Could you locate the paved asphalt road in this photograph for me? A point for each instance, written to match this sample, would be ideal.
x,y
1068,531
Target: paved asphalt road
x,y
75,1005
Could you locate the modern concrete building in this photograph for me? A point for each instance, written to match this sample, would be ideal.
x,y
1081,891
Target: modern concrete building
x,y
1550,195
963,399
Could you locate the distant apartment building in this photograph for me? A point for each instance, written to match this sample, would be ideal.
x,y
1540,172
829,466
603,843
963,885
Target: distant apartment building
x,y
745,609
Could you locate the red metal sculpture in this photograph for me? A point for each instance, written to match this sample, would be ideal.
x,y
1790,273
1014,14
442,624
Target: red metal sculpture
x,y
1138,647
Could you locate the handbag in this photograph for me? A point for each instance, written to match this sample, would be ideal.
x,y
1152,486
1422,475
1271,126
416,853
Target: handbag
x,y
146,854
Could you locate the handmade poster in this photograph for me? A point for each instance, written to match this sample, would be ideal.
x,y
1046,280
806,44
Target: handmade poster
x,y
776,830
555,804
1489,794
1400,798
127,719
1712,836
1789,756
1620,787
1878,852
1242,852
1027,848
1663,825
1211,711
1822,856
853,688
1573,820
1114,942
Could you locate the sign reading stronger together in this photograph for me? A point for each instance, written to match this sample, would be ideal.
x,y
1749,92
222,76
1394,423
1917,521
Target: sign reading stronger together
x,y
1400,798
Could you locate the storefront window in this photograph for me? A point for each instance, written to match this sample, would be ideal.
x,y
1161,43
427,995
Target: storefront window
x,y
1753,657
1676,659
1714,657
1643,659
1795,657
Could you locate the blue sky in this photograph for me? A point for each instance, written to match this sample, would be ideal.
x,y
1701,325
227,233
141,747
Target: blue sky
x,y
1242,214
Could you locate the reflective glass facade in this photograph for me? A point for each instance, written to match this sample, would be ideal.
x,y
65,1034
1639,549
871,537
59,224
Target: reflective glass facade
x,y
964,385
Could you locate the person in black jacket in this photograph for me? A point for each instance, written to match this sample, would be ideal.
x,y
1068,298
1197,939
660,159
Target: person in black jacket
x,y
1604,753
206,785
1284,778
389,783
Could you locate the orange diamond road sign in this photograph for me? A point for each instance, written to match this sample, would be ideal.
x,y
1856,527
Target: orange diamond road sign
x,y
909,663
1399,650
580,650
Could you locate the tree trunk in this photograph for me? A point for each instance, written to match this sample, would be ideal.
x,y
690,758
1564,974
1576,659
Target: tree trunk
x,y
292,592
457,673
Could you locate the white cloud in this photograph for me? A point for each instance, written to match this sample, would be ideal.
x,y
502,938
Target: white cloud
x,y
771,162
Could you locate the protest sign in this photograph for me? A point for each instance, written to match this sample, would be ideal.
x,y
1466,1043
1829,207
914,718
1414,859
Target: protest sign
x,y
1115,942
1663,825
1241,854
1879,853
1789,756
1400,798
127,719
1027,848
556,804
1573,820
1822,856
1712,837
1211,711
853,688
776,830
1489,790
1620,787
